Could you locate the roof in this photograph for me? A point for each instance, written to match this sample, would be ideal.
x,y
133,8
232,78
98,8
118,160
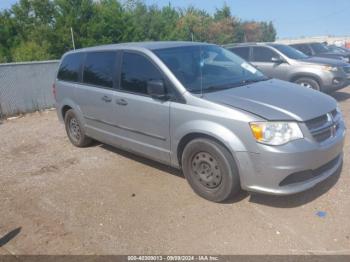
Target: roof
x,y
143,45
248,44
306,43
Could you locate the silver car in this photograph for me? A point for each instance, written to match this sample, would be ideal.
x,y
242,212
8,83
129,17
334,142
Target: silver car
x,y
289,64
200,108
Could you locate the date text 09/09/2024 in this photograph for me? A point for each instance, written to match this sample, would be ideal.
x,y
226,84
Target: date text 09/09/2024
x,y
173,258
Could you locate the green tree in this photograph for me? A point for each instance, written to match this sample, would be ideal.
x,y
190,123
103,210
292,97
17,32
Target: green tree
x,y
193,24
41,29
107,24
268,32
30,51
7,36
33,19
75,14
223,13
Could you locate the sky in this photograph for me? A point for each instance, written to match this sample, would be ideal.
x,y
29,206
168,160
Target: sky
x,y
292,18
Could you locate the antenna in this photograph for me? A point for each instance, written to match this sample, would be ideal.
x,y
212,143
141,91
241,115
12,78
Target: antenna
x,y
201,55
71,32
201,63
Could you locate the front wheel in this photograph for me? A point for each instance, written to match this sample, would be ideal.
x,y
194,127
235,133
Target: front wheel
x,y
308,83
210,170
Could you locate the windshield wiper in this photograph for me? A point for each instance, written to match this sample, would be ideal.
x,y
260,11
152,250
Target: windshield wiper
x,y
249,81
214,88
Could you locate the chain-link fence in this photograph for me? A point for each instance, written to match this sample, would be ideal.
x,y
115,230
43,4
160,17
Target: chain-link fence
x,y
26,87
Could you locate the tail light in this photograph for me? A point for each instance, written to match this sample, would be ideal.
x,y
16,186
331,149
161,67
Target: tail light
x,y
54,91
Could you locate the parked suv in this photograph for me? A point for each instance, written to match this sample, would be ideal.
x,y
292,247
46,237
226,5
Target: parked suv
x,y
200,108
321,50
286,63
339,50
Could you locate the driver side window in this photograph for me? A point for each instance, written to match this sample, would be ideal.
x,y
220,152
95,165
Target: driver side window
x,y
305,49
137,70
263,54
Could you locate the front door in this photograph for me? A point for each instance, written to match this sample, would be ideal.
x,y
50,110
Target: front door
x,y
262,58
143,122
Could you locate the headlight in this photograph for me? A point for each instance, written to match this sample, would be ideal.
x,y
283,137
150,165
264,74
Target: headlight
x,y
339,111
275,133
330,68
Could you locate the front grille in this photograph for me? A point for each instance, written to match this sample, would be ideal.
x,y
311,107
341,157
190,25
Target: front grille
x,y
323,136
325,126
317,122
309,174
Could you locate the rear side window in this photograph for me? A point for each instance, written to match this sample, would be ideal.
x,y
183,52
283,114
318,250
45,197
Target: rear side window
x,y
303,48
319,48
99,68
70,67
243,52
263,54
137,70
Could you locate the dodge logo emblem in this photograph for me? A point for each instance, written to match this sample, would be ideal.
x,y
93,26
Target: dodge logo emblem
x,y
333,128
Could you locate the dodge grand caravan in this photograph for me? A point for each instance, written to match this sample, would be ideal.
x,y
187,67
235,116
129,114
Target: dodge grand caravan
x,y
200,108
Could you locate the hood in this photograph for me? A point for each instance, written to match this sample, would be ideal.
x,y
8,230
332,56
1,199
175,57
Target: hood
x,y
275,100
324,61
331,55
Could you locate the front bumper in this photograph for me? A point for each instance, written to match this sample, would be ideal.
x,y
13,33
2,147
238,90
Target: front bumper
x,y
336,84
335,81
267,171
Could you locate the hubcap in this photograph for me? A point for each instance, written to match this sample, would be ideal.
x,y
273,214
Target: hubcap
x,y
307,85
206,169
74,129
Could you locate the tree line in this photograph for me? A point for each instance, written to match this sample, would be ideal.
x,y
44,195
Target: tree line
x,y
41,29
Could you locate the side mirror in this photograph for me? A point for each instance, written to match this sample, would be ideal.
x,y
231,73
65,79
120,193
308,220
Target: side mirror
x,y
277,60
156,89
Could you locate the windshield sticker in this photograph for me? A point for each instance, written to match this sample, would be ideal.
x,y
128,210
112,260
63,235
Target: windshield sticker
x,y
248,67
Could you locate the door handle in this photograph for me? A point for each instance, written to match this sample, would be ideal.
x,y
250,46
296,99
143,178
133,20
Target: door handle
x,y
122,102
107,99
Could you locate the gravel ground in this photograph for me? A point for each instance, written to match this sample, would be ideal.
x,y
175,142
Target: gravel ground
x,y
59,199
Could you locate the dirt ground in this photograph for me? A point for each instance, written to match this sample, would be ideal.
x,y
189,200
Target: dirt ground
x,y
59,199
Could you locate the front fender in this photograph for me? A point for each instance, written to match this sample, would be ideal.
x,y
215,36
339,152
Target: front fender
x,y
208,128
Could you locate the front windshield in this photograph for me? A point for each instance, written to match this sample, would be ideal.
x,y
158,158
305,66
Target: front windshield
x,y
290,52
337,49
207,68
319,48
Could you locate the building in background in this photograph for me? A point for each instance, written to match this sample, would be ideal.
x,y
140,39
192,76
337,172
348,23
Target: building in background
x,y
343,41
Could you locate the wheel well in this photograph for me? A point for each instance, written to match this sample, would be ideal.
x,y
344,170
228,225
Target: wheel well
x,y
189,137
64,111
319,82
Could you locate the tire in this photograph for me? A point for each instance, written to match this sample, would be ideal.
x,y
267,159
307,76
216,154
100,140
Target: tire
x,y
74,130
308,83
210,170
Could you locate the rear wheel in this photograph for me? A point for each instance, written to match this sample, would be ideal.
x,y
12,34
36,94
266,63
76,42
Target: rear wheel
x,y
210,170
308,83
75,131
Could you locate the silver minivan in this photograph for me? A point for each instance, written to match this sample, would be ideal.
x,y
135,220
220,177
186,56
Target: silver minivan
x,y
200,108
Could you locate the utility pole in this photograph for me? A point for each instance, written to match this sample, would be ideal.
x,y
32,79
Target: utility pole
x,y
71,31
